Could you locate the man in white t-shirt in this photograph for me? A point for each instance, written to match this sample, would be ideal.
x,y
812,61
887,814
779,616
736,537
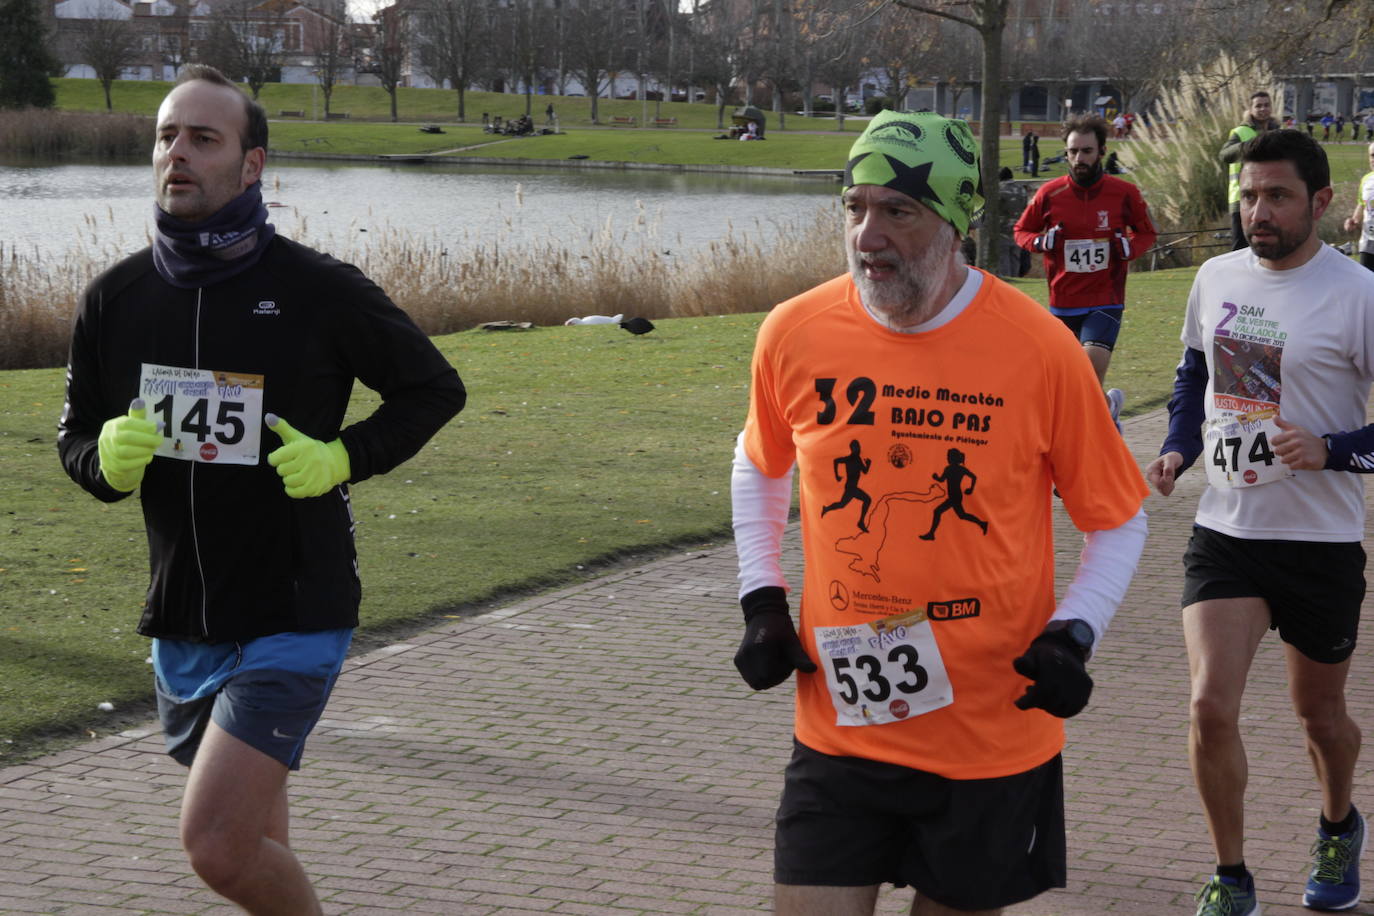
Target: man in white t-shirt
x,y
1362,220
1271,393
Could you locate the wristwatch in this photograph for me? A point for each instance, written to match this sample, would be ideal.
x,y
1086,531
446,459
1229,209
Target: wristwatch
x,y
1078,632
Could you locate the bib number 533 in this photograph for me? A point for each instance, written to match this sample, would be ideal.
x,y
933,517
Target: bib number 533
x,y
878,687
884,670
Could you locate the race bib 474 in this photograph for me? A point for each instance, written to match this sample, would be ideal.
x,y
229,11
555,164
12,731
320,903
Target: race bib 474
x,y
1237,450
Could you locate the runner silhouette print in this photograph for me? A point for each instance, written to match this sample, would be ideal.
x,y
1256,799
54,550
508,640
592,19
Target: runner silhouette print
x,y
855,465
953,478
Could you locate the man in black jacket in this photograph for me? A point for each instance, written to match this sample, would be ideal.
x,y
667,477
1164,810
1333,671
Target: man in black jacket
x,y
213,370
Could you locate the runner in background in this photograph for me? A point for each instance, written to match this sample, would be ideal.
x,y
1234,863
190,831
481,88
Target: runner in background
x,y
1362,220
1089,226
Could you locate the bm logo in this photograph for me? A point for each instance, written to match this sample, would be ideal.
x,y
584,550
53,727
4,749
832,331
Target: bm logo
x,y
953,610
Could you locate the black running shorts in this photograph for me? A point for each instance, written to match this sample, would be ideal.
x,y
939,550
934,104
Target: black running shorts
x,y
970,844
1314,589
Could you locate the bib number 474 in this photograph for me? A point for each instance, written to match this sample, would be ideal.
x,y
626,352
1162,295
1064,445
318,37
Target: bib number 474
x,y
1226,454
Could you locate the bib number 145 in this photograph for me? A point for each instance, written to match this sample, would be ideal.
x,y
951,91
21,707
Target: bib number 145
x,y
207,416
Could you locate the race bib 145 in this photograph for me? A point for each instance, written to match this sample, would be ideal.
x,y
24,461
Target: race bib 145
x,y
209,416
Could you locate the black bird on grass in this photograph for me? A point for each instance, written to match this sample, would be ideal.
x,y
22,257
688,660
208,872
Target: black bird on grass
x,y
637,325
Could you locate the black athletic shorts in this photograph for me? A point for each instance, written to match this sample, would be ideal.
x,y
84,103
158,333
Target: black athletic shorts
x,y
972,844
1313,588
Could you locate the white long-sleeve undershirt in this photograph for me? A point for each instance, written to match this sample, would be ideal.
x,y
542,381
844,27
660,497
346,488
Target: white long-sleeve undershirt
x,y
760,505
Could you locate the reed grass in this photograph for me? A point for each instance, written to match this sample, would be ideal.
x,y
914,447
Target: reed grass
x,y
454,284
87,134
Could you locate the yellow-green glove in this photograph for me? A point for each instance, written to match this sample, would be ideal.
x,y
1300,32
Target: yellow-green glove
x,y
126,445
308,467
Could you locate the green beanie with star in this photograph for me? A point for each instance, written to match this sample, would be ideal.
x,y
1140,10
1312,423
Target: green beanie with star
x,y
925,156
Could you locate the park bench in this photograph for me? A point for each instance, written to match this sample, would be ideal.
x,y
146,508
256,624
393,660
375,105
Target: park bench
x,y
336,116
306,141
289,113
665,122
623,121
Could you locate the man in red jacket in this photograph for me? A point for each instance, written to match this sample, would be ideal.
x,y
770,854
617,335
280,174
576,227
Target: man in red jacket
x,y
1088,225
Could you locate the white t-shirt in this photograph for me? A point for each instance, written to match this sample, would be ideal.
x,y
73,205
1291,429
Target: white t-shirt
x,y
1367,202
1302,339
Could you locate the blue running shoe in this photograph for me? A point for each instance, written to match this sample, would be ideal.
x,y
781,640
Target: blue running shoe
x,y
1334,882
1228,897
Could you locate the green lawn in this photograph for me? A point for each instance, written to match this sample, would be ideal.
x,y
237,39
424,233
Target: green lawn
x,y
579,445
807,143
425,105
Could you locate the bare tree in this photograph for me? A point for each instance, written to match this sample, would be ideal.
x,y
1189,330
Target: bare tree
x,y
843,56
901,51
526,39
715,48
333,54
108,46
594,45
453,47
1137,47
665,57
388,53
777,35
247,42
989,19
175,50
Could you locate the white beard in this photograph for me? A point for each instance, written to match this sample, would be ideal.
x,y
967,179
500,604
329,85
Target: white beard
x,y
904,300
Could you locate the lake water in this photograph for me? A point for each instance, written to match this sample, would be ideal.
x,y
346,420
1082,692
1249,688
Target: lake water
x,y
107,208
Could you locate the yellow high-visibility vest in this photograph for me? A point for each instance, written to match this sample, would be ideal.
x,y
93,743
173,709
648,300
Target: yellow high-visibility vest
x,y
1245,132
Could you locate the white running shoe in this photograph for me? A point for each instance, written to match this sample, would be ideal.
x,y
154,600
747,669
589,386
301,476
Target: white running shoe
x,y
1116,399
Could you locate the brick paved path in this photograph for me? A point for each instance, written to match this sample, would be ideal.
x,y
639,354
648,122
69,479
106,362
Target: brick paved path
x,y
591,751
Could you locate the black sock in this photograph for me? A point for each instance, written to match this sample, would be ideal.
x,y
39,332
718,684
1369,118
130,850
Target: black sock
x,y
1236,872
1343,827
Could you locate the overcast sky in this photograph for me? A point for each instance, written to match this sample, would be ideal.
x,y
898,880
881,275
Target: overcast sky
x,y
363,9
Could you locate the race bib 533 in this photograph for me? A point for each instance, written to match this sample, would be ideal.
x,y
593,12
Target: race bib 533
x,y
883,670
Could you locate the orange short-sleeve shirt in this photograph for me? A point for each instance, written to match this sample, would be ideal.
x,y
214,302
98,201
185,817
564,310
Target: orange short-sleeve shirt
x,y
926,463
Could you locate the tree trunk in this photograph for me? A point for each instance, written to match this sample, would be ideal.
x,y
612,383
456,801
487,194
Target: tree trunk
x,y
393,104
109,104
990,236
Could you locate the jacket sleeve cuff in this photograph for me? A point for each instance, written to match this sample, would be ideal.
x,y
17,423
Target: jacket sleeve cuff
x,y
1351,451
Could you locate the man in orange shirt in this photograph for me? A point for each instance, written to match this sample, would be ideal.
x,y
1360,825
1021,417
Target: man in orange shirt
x,y
934,666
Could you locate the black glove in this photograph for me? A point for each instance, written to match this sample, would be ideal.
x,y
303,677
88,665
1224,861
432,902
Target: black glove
x,y
770,648
1056,665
